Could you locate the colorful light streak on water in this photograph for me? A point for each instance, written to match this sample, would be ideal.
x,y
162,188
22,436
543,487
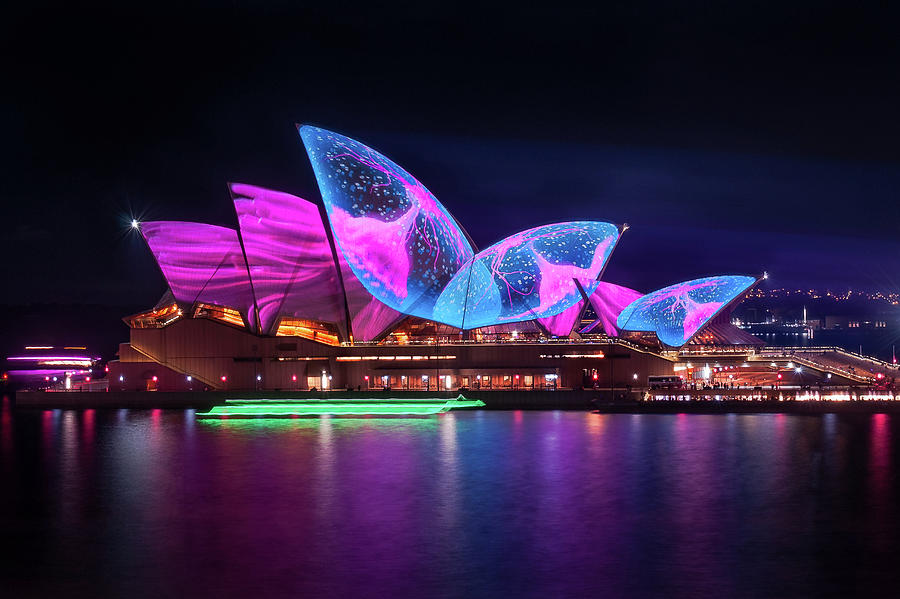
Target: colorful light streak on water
x,y
486,504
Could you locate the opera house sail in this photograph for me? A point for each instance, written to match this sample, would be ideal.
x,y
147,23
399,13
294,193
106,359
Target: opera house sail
x,y
379,261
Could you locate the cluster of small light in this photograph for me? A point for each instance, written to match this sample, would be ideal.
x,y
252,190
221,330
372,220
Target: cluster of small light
x,y
839,296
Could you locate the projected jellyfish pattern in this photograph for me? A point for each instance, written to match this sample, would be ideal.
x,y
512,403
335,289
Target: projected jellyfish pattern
x,y
201,263
676,312
528,275
396,251
399,241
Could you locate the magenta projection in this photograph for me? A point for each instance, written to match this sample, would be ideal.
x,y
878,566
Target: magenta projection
x,y
562,324
291,265
370,319
608,302
201,263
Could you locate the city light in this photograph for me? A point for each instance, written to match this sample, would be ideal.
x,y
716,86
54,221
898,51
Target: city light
x,y
135,224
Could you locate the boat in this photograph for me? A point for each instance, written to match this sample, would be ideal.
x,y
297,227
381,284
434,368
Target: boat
x,y
290,408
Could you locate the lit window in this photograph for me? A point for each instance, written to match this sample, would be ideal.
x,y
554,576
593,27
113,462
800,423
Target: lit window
x,y
307,329
220,313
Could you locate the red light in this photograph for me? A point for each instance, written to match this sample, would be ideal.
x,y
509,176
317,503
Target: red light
x,y
155,378
880,376
46,378
106,369
224,378
517,377
779,376
87,379
595,376
366,377
294,377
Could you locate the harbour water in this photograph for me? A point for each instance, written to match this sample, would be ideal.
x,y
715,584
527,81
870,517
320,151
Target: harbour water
x,y
150,503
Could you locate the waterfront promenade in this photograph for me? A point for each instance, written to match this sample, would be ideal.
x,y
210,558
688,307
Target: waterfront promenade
x,y
622,400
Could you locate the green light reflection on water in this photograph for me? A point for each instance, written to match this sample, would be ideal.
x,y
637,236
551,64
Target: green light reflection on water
x,y
314,424
289,409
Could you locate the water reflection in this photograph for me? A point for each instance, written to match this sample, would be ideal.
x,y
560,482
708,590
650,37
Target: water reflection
x,y
487,504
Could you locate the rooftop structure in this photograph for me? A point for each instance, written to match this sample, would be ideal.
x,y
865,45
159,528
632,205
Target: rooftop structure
x,y
384,248
380,261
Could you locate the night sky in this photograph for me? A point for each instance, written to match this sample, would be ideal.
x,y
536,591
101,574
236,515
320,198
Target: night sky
x,y
732,137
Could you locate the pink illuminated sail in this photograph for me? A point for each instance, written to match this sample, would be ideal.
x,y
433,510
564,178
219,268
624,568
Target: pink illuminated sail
x,y
562,324
608,301
291,265
201,263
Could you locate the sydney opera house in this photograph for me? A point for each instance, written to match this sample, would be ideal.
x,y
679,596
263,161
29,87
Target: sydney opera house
x,y
378,286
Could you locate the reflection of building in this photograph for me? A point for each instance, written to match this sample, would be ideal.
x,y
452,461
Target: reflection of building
x,y
381,287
